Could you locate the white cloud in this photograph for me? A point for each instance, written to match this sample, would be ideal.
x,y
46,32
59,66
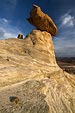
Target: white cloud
x,y
5,20
65,42
7,30
5,34
1,33
9,35
67,20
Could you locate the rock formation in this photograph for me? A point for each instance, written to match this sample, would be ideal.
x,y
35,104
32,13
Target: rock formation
x,y
14,99
42,21
20,36
42,42
31,81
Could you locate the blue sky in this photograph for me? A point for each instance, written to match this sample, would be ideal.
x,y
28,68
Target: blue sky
x,y
13,15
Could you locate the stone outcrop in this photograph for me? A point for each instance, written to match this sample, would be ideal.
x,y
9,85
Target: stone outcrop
x,y
42,21
42,41
33,53
20,36
30,79
32,75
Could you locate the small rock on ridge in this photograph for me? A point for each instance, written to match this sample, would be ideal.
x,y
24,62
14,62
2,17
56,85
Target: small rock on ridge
x,y
20,36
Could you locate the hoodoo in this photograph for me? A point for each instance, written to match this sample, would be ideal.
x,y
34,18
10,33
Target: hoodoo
x,y
30,80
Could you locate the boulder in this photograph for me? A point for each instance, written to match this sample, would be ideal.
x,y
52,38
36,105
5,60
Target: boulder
x,y
42,21
14,99
20,36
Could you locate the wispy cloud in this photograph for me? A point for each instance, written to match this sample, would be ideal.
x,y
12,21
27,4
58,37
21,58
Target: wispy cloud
x,y
7,30
5,20
67,20
5,34
65,42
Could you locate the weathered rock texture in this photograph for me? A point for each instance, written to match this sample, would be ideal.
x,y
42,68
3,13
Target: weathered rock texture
x,y
28,71
42,21
42,42
30,79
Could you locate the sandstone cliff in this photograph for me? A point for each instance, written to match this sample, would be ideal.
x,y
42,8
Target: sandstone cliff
x,y
30,79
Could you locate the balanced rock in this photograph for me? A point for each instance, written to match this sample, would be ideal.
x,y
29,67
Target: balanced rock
x,y
30,74
42,21
20,36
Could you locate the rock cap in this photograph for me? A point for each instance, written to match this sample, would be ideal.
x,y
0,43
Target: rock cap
x,y
42,21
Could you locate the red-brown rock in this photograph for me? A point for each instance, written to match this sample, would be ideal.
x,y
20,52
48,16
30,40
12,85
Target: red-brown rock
x,y
42,21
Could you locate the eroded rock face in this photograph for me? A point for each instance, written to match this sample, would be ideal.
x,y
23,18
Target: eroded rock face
x,y
28,54
42,21
42,41
32,78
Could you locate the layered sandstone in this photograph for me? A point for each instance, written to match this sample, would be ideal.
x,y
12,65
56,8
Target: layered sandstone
x,y
17,57
30,79
42,42
28,71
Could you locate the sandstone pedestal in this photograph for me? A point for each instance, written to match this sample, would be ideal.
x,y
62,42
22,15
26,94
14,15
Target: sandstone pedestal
x,y
42,41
